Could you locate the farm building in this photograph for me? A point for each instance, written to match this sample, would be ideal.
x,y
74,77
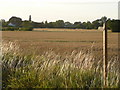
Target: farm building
x,y
11,24
100,28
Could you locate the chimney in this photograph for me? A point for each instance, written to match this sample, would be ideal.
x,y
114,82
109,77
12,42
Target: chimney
x,y
30,18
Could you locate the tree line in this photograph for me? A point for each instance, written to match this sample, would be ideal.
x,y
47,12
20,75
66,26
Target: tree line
x,y
16,23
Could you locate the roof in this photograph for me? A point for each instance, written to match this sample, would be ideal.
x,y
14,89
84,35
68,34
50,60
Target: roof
x,y
10,24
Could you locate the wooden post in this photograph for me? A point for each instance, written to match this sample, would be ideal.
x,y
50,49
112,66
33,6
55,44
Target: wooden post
x,y
105,62
1,55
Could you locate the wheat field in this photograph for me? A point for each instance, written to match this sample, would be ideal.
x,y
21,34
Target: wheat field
x,y
60,42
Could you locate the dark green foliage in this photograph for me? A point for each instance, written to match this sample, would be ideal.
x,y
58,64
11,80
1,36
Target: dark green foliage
x,y
96,24
10,29
89,25
114,25
15,21
16,29
26,26
38,25
68,25
16,24
77,25
50,25
29,25
25,29
4,23
59,24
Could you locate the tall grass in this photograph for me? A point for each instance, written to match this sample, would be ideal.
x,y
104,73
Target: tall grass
x,y
50,70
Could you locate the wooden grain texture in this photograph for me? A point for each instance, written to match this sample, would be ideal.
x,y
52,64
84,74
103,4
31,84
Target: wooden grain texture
x,y
105,52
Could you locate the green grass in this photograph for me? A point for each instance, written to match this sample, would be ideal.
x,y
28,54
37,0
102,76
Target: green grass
x,y
51,70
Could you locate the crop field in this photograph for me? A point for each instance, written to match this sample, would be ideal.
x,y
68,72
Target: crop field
x,y
61,41
57,29
56,58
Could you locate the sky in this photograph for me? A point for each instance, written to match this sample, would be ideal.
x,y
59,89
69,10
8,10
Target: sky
x,y
52,10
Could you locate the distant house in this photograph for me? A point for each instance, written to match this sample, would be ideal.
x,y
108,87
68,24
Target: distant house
x,y
10,24
100,28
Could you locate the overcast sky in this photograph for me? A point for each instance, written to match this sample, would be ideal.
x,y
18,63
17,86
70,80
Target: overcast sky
x,y
52,10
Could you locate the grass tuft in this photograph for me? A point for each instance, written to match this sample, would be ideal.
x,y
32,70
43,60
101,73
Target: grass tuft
x,y
51,70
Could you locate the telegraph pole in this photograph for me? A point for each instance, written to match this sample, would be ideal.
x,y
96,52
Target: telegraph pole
x,y
105,54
